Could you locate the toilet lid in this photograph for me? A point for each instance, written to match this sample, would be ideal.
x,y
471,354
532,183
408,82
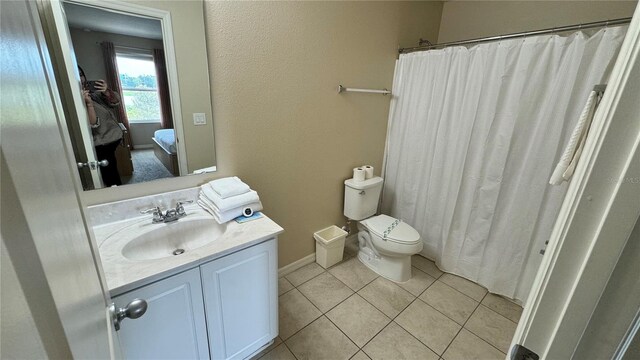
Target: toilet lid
x,y
401,233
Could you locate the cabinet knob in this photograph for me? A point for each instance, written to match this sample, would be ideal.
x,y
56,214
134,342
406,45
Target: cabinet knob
x,y
133,310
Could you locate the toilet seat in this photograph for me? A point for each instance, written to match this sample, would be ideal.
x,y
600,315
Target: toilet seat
x,y
392,230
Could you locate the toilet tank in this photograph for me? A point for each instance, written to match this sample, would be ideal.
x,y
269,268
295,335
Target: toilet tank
x,y
361,198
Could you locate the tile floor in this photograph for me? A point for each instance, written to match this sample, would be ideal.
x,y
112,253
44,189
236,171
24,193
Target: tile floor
x,y
349,312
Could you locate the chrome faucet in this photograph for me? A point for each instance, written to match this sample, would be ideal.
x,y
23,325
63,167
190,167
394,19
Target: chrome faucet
x,y
170,215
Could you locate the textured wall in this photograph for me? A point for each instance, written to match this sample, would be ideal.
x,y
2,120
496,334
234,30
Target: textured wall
x,y
463,20
280,125
141,134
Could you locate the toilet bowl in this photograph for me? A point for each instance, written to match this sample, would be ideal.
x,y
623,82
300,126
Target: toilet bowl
x,y
385,244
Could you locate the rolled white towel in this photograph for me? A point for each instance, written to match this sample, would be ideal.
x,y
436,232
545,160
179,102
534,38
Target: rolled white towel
x,y
229,186
230,202
567,163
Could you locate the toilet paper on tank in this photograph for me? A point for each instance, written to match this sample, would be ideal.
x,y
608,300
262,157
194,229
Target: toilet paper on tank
x,y
359,174
368,171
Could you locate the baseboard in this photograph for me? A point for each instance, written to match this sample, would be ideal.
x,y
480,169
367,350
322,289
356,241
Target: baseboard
x,y
143,147
287,269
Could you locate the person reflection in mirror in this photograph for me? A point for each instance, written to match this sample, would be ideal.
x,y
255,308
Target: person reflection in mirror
x,y
102,106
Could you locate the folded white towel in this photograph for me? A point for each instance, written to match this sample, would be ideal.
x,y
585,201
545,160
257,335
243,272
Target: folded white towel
x,y
571,155
229,186
226,216
231,202
234,213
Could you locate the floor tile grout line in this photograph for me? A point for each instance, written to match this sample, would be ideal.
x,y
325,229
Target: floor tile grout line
x,y
480,337
321,313
288,348
465,323
306,281
394,318
449,286
410,333
341,301
393,321
488,308
343,333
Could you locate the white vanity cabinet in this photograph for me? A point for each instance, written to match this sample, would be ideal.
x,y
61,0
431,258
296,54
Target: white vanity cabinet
x,y
241,301
223,309
174,325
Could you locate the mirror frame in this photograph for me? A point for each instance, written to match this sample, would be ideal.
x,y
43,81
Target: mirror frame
x,y
170,58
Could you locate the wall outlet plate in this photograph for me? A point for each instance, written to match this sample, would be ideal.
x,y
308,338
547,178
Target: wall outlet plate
x,y
199,119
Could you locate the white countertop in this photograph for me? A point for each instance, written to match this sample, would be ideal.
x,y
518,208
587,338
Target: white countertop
x,y
123,274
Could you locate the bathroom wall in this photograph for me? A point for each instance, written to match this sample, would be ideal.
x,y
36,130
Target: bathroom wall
x,y
141,134
279,123
86,45
463,20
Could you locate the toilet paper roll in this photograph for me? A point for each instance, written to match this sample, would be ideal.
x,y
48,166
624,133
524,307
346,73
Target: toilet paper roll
x,y
368,169
359,174
247,212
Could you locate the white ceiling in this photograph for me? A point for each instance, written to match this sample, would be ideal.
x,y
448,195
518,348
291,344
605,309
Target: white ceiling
x,y
86,17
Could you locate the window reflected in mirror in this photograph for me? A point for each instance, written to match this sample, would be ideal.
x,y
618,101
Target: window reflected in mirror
x,y
129,126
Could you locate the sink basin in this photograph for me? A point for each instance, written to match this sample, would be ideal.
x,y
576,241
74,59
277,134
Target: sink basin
x,y
157,241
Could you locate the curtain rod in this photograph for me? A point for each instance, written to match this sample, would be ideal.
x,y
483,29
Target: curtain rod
x,y
426,45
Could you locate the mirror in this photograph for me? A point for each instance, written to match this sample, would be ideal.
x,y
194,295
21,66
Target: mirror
x,y
138,85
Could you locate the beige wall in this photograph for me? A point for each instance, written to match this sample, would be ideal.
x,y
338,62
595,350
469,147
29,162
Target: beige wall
x,y
193,77
279,123
86,46
141,134
463,20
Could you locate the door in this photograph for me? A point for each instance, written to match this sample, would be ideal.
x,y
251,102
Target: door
x,y
43,225
241,301
66,67
174,325
595,221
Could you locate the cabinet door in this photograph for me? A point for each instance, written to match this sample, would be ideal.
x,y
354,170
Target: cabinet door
x,y
241,302
174,325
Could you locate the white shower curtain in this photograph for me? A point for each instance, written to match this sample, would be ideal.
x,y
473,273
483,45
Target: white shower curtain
x,y
474,134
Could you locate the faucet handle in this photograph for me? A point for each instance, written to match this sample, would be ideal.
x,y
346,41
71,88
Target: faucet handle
x,y
180,208
157,213
155,209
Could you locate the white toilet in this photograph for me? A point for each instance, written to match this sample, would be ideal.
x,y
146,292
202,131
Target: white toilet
x,y
386,244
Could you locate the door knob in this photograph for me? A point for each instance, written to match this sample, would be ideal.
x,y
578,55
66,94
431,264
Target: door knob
x,y
133,310
93,164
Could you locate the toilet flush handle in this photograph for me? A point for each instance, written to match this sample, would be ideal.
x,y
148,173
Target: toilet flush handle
x,y
362,192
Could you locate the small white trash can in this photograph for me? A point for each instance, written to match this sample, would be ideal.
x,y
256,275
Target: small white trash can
x,y
329,245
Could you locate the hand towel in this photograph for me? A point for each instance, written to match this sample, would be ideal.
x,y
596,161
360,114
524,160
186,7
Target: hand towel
x,y
565,167
231,202
229,186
